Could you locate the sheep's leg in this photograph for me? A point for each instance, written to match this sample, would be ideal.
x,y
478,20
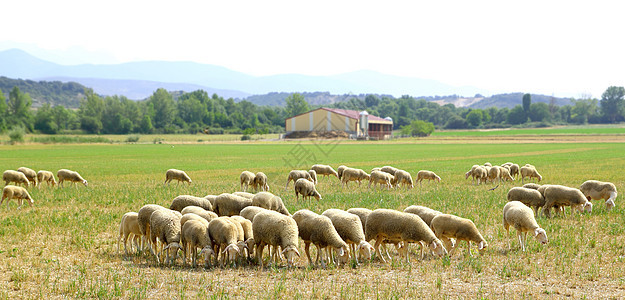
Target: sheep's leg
x,y
259,253
125,239
378,241
307,250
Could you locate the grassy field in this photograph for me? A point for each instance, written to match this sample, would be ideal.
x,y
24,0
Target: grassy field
x,y
65,246
561,130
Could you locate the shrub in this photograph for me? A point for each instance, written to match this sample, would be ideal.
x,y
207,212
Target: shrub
x,y
17,135
246,137
133,138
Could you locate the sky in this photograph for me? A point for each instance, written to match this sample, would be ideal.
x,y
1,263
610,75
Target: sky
x,y
560,48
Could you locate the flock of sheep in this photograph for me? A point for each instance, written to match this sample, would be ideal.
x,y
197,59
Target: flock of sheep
x,y
27,177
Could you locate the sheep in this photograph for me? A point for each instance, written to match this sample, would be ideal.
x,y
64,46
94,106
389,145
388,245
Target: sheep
x,y
403,177
194,234
339,171
487,164
211,199
179,175
481,174
192,216
351,174
530,172
270,201
14,176
247,179
250,212
349,228
429,175
261,182
248,234
240,236
128,226
493,174
521,217
45,176
275,229
306,189
182,201
514,170
363,213
144,222
389,169
387,224
447,226
16,192
382,178
30,174
230,205
425,213
559,195
165,225
594,189
224,234
531,185
319,230
324,170
206,214
313,175
71,176
244,194
504,174
530,197
297,174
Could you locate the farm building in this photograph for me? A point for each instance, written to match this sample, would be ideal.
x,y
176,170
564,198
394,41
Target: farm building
x,y
349,121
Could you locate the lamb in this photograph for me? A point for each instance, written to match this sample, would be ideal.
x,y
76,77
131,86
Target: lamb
x,y
447,226
530,197
594,189
349,228
30,174
247,179
382,178
250,212
429,175
270,201
224,234
558,195
248,234
389,169
165,225
127,227
324,170
521,217
243,194
403,177
71,176
260,182
194,234
320,231
313,175
530,172
14,176
205,214
297,174
340,170
306,189
230,205
351,174
425,213
387,224
182,201
179,175
45,176
275,229
16,192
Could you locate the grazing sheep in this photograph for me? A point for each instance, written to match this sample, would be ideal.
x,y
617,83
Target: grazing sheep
x,y
261,182
182,201
192,216
504,174
594,190
306,189
230,205
522,219
240,237
297,174
351,174
165,225
179,175
250,212
382,178
530,172
270,201
16,192
531,185
144,222
403,177
205,214
127,227
45,176
248,234
275,229
387,224
425,213
339,171
244,194
193,235
324,170
247,179
211,199
363,213
30,174
449,226
429,175
320,231
349,228
389,169
559,195
14,176
530,197
514,170
313,175
224,233
71,176
470,172
481,174
487,164
493,174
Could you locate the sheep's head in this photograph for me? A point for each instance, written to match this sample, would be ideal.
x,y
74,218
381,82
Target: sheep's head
x,y
84,182
540,177
541,236
173,248
290,252
365,249
242,245
317,195
31,201
437,178
609,204
467,174
208,252
232,250
342,254
250,245
588,207
482,247
437,247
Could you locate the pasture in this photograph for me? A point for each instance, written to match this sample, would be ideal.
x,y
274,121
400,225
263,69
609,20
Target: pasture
x,y
66,245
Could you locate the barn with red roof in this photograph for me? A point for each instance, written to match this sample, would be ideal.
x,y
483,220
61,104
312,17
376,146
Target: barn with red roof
x,y
349,121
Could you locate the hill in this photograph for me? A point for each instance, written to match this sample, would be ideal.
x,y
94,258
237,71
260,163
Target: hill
x,y
67,94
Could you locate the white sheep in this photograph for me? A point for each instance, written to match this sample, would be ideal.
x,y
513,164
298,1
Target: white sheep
x,y
494,174
211,199
403,177
182,201
429,175
514,170
243,194
351,174
165,225
389,169
294,175
521,217
595,190
470,173
487,164
530,197
339,171
230,205
320,231
324,170
247,179
45,176
144,223
481,174
192,216
306,189
313,175
250,212
248,234
179,175
387,224
30,174
382,178
129,227
530,172
261,182
504,174
270,201
425,213
205,214
532,185
559,195
349,228
275,229
16,192
363,214
14,176
224,233
447,226
71,176
193,235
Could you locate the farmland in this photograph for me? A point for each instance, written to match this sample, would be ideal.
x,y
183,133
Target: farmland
x,y
65,246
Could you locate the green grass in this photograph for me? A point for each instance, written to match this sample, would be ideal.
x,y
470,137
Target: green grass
x,y
564,130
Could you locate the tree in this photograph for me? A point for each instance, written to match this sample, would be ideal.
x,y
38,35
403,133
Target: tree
x,y
517,115
295,105
527,102
3,112
18,109
418,128
612,101
44,120
164,109
90,112
371,101
474,118
539,112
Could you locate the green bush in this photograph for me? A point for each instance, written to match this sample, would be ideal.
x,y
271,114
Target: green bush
x,y
133,138
17,135
246,137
